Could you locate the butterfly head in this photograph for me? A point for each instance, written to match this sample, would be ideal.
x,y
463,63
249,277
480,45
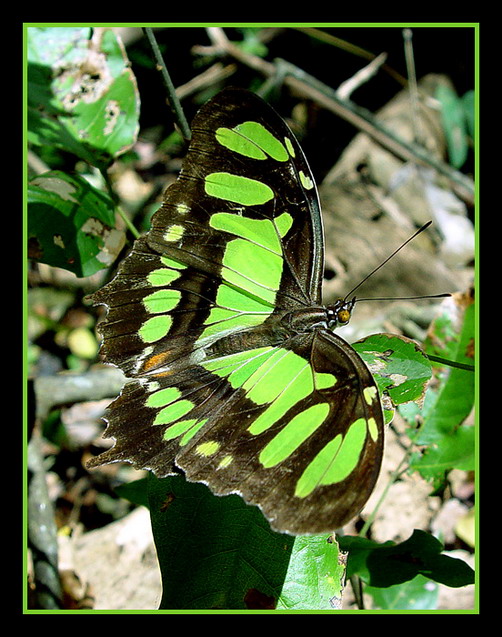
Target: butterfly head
x,y
340,312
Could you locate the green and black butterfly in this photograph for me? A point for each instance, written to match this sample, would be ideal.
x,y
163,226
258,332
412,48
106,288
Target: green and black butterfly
x,y
216,317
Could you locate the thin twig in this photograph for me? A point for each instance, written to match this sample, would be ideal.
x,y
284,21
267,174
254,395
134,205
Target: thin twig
x,y
351,48
345,90
211,76
412,86
450,363
172,98
392,478
42,532
368,123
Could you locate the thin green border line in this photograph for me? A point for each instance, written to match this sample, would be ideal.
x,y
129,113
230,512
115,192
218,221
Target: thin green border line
x,y
24,271
256,24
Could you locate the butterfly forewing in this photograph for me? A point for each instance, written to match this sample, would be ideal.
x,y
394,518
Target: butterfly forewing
x,y
219,385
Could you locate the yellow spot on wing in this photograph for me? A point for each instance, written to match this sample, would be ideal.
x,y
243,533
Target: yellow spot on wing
x,y
369,394
225,462
173,233
207,448
373,429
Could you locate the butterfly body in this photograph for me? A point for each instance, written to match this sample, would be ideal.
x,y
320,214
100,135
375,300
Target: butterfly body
x,y
216,318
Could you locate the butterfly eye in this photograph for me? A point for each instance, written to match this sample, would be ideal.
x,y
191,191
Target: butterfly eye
x,y
343,316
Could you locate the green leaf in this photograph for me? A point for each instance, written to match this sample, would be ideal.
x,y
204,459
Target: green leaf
x,y
418,593
218,552
454,124
82,94
315,576
135,491
388,564
71,224
449,441
468,105
400,368
214,552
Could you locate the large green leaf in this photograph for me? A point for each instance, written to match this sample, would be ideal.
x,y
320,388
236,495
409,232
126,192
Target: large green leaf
x,y
400,368
448,438
71,224
389,563
399,365
82,95
218,552
418,593
316,575
214,552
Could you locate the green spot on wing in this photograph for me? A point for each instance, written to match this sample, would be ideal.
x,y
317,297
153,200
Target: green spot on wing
x,y
235,309
269,380
335,461
294,390
293,435
233,141
192,431
163,397
373,429
369,394
240,366
252,140
207,448
180,428
253,269
283,223
155,328
259,231
172,263
174,411
225,462
162,301
162,277
290,147
173,233
324,380
307,182
239,189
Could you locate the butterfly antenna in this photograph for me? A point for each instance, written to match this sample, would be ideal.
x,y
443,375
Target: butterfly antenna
x,y
421,229
406,298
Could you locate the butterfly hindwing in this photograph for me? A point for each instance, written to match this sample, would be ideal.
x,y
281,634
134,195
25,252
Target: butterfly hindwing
x,y
296,434
220,383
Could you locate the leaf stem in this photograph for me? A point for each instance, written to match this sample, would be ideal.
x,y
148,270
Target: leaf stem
x,y
450,363
111,192
392,478
128,223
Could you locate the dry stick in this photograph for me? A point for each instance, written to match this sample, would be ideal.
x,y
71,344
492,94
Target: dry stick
x,y
209,77
364,120
349,47
362,76
416,121
394,476
412,85
361,118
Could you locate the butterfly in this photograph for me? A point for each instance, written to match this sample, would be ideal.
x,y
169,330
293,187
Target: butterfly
x,y
234,373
